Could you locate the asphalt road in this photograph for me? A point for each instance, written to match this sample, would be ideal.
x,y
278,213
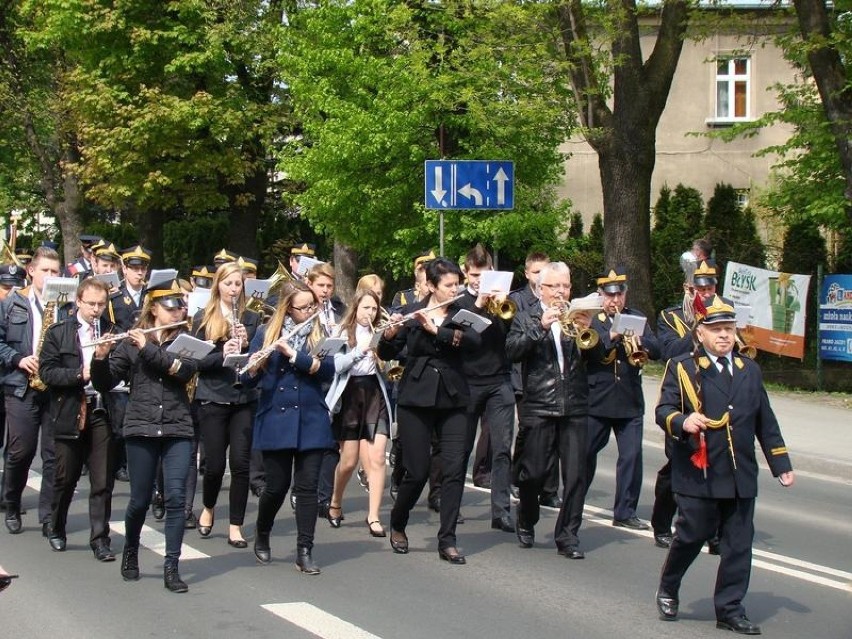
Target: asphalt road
x,y
801,583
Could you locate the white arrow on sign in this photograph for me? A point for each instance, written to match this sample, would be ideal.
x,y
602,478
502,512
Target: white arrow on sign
x,y
438,192
501,178
471,194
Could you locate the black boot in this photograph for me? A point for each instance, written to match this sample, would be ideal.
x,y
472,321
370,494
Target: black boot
x,y
261,548
158,506
304,561
172,580
130,563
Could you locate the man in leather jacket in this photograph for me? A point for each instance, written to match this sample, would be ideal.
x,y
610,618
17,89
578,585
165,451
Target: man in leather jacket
x,y
553,412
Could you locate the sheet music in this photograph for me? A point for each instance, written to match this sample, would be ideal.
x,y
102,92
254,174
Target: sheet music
x,y
471,320
158,276
628,324
495,282
306,264
190,347
257,289
236,360
59,289
111,279
197,301
328,346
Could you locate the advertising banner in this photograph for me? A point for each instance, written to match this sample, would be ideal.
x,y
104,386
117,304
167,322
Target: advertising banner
x,y
835,318
777,300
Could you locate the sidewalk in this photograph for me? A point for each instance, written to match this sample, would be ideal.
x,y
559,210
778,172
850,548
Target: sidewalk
x,y
818,436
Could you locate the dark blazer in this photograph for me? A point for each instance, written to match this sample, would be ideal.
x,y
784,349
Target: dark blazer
x,y
215,381
489,363
547,391
434,375
291,412
674,334
158,404
615,386
16,338
61,368
751,417
124,311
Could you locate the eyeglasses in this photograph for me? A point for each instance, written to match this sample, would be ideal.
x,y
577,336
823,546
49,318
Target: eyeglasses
x,y
557,286
304,309
94,304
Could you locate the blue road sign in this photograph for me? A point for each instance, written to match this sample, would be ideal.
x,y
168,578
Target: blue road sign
x,y
470,184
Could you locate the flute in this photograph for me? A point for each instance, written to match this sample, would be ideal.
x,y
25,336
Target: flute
x,y
120,336
382,326
263,354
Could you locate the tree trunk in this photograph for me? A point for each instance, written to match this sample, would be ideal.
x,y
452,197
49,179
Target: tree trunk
x,y
67,210
246,203
345,271
150,225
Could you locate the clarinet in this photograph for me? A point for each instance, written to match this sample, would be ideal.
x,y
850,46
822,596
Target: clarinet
x,y
235,316
99,402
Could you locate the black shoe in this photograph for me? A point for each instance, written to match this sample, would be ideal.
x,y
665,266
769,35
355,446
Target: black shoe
x,y
332,520
739,625
482,482
121,475
553,501
130,563
663,540
571,552
45,529
172,580
158,506
292,501
190,522
633,523
435,504
261,548
206,531
305,563
504,523
102,551
257,489
322,510
666,605
526,536
13,520
452,555
238,543
399,542
57,542
714,546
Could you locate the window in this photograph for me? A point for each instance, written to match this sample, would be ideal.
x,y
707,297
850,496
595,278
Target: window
x,y
732,89
743,198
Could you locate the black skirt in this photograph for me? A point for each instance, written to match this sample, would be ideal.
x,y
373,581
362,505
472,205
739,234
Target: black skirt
x,y
363,412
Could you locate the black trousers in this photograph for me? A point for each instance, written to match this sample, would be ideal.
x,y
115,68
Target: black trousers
x,y
495,404
303,466
538,439
628,470
25,418
330,459
550,488
698,520
227,429
664,508
116,405
95,447
451,427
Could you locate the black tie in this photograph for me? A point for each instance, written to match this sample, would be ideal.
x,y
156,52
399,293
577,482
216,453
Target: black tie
x,y
725,373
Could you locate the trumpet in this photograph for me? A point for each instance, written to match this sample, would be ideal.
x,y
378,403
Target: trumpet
x,y
636,355
385,324
505,309
744,348
117,337
263,354
586,338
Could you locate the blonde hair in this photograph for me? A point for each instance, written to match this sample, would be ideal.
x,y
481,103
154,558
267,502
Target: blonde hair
x,y
276,323
369,282
214,324
319,270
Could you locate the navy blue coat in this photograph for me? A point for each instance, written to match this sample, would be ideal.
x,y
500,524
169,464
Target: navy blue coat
x,y
291,411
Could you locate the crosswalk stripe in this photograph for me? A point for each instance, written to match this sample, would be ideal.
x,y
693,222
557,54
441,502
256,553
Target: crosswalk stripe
x,y
317,621
155,541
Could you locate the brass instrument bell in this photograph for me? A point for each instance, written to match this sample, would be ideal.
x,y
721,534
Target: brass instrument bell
x,y
505,309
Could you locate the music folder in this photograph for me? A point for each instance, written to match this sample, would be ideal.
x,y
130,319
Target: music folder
x,y
471,320
329,346
236,360
628,324
189,347
111,279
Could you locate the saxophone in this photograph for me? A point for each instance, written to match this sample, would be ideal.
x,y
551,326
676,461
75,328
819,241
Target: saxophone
x,y
47,319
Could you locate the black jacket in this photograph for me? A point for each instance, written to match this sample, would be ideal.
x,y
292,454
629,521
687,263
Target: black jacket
x,y
433,376
615,386
215,381
547,391
524,299
675,335
61,368
488,364
158,404
16,338
122,309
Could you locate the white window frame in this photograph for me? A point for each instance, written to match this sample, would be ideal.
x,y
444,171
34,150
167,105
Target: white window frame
x,y
731,78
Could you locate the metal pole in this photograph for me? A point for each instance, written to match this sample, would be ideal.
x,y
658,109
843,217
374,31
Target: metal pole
x,y
441,234
819,376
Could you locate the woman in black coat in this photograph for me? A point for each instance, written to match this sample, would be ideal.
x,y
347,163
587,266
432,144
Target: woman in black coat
x,y
433,396
157,425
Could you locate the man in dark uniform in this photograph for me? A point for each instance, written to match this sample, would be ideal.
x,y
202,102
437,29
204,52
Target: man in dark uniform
x,y
492,401
712,406
616,401
306,250
82,266
248,266
127,301
223,257
81,429
202,276
524,299
411,295
106,260
675,334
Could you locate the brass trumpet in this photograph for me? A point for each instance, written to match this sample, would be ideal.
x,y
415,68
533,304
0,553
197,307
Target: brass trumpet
x,y
279,278
745,349
636,355
505,309
586,338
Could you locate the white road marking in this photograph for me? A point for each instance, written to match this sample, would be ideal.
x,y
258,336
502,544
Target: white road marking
x,y
155,541
317,621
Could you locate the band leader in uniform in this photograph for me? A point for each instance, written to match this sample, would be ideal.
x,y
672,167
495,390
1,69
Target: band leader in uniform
x,y
712,406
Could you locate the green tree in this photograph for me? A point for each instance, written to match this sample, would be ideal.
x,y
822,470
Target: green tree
x,y
731,230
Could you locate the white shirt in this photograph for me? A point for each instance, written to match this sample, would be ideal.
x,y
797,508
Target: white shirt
x,y
136,295
556,331
85,335
36,309
365,365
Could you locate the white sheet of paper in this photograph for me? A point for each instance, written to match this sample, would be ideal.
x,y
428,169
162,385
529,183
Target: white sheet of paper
x,y
59,289
306,264
258,289
236,360
158,276
743,314
197,301
495,281
628,324
329,346
111,279
188,347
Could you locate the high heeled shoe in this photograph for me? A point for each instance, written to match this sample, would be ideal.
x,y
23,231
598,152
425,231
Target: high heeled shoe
x,y
205,531
378,530
454,557
335,521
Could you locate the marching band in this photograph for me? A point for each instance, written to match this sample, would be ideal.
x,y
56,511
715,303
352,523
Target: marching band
x,y
293,393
